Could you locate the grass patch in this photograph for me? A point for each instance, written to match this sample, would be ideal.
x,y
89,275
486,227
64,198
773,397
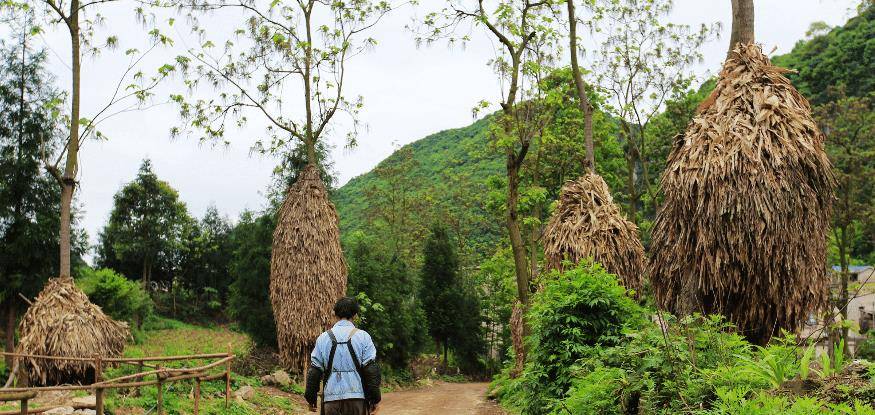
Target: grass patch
x,y
166,337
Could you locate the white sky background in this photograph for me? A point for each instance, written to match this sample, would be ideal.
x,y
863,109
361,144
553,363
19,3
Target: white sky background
x,y
409,92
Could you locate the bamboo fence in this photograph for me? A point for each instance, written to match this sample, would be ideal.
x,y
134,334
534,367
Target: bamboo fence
x,y
163,376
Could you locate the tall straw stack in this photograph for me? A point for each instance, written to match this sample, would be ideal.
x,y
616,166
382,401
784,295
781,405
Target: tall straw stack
x,y
587,224
62,322
748,195
307,268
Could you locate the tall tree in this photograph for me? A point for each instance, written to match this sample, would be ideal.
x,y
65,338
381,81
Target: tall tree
x,y
527,48
394,317
302,46
453,314
249,299
395,211
644,61
132,90
849,126
28,198
582,97
145,230
742,23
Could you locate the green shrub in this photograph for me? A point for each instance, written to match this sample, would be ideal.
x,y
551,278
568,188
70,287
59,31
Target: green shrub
x,y
578,313
118,296
597,393
741,401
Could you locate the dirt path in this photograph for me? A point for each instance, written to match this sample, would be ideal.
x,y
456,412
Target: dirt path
x,y
440,398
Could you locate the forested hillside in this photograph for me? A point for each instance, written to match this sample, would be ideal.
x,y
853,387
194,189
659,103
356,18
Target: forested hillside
x,y
844,55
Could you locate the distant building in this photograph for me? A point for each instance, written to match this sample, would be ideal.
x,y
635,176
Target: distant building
x,y
861,305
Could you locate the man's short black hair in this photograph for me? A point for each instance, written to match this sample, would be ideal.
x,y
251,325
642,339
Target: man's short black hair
x,y
346,307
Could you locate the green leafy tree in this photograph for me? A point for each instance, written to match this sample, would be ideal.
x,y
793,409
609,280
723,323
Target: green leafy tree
x,y
527,40
395,317
249,301
396,212
205,259
643,61
849,126
145,231
118,296
451,309
133,90
843,56
28,198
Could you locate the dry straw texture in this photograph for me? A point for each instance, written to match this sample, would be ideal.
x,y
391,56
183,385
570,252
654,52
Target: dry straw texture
x,y
307,268
587,224
748,194
62,322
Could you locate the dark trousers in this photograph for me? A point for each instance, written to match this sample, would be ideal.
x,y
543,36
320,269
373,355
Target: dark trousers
x,y
346,407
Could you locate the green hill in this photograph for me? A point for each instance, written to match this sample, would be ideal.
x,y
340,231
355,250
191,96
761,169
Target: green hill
x,y
845,55
459,152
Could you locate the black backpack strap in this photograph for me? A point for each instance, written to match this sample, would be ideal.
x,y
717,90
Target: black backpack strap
x,y
329,368
352,353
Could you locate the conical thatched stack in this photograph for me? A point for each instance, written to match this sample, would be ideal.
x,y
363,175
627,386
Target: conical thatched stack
x,y
748,194
62,322
587,224
307,269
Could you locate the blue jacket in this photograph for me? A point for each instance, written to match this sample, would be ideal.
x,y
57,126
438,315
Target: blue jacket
x,y
345,382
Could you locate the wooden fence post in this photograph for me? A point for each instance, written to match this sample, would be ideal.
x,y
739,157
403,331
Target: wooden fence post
x,y
197,395
160,376
24,407
98,392
228,379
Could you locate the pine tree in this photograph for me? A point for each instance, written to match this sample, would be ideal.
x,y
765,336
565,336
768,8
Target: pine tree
x,y
451,308
29,210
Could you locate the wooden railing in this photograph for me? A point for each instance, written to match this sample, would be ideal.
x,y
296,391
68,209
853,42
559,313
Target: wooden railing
x,y
163,375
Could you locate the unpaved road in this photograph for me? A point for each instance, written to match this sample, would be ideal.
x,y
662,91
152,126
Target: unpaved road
x,y
440,398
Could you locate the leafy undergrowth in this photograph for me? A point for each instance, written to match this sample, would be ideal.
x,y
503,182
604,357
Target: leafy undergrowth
x,y
588,354
169,337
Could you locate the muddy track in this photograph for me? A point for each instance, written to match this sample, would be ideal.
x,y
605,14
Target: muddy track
x,y
440,398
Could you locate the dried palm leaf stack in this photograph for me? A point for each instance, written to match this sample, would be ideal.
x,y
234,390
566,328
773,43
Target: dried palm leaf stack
x,y
748,195
307,268
587,224
62,322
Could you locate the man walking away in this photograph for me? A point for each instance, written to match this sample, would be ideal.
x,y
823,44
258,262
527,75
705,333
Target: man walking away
x,y
344,364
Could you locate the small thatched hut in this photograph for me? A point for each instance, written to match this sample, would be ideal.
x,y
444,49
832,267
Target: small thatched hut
x,y
62,322
307,269
587,224
748,194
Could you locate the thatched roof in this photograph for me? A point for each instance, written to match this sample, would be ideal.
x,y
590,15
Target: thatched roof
x,y
307,269
587,224
748,195
62,322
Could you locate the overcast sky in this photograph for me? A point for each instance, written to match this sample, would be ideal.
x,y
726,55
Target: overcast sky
x,y
409,92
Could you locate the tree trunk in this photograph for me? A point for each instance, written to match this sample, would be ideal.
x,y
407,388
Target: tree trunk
x,y
582,98
742,23
843,294
633,192
11,317
68,181
513,227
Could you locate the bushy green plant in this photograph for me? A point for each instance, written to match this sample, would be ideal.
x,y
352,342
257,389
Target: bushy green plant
x,y
579,312
597,393
118,296
742,401
866,348
773,365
